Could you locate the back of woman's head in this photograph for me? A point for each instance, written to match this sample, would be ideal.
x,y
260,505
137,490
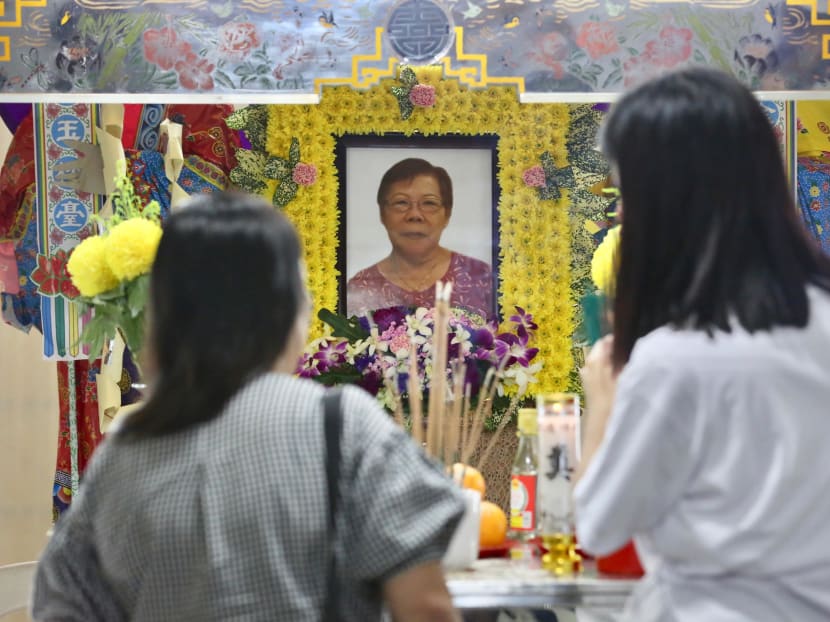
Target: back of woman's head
x,y
410,168
710,231
226,290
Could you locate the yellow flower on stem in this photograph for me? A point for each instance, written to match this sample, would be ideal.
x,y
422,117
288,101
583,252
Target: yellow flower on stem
x,y
131,247
89,270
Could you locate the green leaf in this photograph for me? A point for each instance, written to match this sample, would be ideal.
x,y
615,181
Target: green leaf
x,y
254,120
97,331
548,164
223,79
348,328
246,181
285,193
133,330
277,168
549,194
408,77
294,153
339,375
137,293
243,70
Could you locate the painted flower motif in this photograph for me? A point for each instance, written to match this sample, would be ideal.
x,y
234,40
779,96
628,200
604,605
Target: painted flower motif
x,y
756,54
195,73
672,47
638,69
534,177
54,151
814,191
422,95
56,237
304,174
238,40
163,47
47,275
553,50
598,39
55,193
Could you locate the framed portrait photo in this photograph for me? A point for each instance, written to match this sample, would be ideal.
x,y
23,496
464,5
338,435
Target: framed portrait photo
x,y
472,230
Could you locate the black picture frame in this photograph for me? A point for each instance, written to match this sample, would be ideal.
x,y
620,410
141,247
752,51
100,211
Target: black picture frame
x,y
394,144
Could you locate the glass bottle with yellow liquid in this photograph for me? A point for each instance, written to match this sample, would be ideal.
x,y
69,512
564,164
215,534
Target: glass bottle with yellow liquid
x,y
559,446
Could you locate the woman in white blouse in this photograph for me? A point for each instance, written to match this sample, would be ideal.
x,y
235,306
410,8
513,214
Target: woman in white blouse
x,y
708,414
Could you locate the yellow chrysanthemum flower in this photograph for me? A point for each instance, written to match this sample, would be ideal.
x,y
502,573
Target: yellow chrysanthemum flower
x,y
131,247
604,261
89,269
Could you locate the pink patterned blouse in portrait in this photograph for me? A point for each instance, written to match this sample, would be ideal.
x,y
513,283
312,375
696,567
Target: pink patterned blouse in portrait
x,y
472,289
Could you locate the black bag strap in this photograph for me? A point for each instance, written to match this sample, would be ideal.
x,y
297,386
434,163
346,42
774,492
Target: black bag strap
x,y
333,425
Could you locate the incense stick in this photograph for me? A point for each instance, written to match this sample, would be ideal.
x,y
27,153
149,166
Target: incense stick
x,y
438,384
414,388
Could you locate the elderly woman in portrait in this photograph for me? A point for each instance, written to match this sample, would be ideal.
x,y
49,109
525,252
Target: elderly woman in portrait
x,y
415,201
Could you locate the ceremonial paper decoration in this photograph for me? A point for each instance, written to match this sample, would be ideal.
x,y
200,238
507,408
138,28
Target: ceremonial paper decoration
x,y
64,219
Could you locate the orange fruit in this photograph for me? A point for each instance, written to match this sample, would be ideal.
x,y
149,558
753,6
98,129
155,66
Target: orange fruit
x,y
493,527
468,477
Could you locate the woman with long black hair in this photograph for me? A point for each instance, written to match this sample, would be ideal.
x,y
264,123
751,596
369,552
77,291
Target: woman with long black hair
x,y
212,501
708,410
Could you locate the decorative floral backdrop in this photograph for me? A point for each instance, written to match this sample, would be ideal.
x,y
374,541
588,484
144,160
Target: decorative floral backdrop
x,y
545,246
267,46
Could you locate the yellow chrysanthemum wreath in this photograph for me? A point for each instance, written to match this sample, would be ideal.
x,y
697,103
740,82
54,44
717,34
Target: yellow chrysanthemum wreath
x,y
533,234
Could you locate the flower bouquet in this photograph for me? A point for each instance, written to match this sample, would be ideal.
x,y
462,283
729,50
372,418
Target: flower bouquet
x,y
390,351
111,270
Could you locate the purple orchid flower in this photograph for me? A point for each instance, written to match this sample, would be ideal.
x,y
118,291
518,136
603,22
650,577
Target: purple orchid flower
x,y
330,355
304,368
514,347
482,337
524,319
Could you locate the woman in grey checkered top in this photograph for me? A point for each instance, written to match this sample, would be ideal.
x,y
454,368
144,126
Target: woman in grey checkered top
x,y
210,502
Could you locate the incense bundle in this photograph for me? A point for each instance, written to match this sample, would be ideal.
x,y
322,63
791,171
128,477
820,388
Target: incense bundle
x,y
453,427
